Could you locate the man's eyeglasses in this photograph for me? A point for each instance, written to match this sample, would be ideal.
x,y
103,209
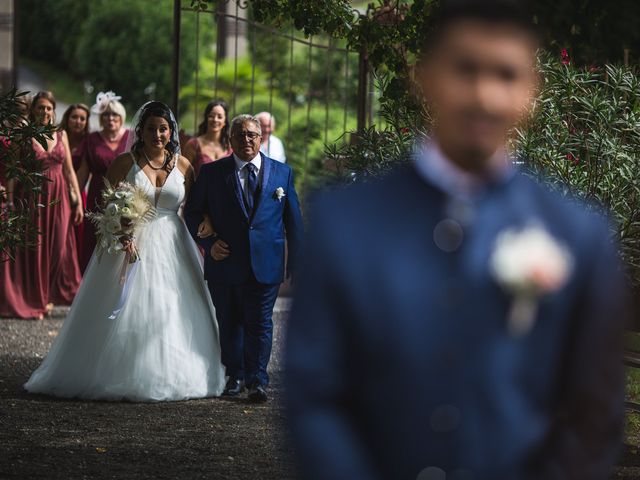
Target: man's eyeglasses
x,y
249,135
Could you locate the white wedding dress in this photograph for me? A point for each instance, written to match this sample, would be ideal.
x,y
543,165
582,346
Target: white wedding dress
x,y
163,344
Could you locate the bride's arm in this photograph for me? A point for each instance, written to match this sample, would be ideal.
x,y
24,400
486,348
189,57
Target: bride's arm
x,y
205,228
119,168
184,165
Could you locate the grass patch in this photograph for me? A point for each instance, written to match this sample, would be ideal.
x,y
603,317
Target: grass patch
x,y
66,88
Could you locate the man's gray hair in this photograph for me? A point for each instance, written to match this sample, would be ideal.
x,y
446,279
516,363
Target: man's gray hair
x,y
240,120
268,116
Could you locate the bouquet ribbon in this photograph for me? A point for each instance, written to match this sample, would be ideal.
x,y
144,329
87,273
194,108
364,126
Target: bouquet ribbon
x,y
126,279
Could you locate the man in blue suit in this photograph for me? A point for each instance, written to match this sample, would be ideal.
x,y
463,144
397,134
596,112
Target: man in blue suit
x,y
454,319
253,205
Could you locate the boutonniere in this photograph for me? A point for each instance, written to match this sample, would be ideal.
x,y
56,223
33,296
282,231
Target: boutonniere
x,y
528,264
279,194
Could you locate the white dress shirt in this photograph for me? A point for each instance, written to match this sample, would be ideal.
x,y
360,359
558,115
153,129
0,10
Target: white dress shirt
x,y
274,149
243,172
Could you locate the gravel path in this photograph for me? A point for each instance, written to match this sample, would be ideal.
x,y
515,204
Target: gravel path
x,y
42,437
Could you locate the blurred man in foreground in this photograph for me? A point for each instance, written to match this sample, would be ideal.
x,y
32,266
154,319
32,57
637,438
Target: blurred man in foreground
x,y
454,319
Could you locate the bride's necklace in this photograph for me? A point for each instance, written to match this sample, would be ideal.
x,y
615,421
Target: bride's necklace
x,y
161,167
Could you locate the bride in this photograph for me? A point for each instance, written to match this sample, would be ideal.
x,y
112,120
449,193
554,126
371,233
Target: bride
x,y
163,343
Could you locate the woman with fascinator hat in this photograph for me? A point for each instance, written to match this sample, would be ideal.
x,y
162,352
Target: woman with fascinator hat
x,y
98,152
159,340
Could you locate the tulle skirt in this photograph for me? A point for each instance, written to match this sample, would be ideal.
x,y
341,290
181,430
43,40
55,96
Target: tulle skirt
x,y
162,345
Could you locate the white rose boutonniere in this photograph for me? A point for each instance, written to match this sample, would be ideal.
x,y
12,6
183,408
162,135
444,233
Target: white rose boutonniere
x,y
528,264
279,194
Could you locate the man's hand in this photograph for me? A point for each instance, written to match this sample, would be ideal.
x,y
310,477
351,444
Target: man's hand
x,y
205,229
220,250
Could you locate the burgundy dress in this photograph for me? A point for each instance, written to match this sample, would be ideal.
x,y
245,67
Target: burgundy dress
x,y
76,156
201,157
50,271
99,157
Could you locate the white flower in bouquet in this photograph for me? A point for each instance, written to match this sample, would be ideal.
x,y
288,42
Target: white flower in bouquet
x,y
123,195
112,226
126,212
111,209
528,264
126,208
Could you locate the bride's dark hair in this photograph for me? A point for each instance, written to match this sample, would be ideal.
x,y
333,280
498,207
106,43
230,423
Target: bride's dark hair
x,y
157,109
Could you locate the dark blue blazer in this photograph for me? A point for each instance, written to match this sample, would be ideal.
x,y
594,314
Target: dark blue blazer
x,y
398,355
256,242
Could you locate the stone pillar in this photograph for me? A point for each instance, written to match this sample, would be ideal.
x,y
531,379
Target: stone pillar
x,y
7,45
231,30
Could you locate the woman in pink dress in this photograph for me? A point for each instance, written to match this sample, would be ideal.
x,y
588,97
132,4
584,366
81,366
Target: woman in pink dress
x,y
212,141
75,122
48,273
98,152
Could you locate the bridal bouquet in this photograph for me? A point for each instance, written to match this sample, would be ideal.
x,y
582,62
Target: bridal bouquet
x,y
126,208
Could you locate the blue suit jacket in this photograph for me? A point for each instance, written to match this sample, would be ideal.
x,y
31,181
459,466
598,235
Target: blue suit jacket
x,y
398,354
256,242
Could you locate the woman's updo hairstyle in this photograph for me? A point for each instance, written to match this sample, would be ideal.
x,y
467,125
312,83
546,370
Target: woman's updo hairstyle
x,y
157,109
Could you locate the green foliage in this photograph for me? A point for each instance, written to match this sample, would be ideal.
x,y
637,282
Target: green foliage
x,y
278,107
307,134
115,44
585,139
206,88
333,17
595,32
380,147
20,167
50,29
234,79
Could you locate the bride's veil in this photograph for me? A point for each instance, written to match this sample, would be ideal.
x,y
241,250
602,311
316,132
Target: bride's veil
x,y
134,139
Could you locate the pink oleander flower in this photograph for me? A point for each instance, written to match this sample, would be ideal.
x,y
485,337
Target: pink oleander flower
x,y
573,159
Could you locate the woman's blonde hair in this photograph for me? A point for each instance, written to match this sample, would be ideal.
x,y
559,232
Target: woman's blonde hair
x,y
113,106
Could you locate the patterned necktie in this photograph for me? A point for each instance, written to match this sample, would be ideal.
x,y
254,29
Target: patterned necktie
x,y
251,186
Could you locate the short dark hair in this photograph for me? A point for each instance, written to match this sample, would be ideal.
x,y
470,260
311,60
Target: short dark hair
x,y
515,12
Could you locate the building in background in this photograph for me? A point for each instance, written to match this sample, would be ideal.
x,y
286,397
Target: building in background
x,y
7,45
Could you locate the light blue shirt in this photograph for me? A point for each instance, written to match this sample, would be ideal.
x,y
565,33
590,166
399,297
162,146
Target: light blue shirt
x,y
437,169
